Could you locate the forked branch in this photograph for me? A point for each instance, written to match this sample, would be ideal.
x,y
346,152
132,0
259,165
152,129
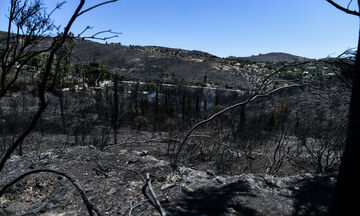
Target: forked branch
x,y
148,184
95,6
346,10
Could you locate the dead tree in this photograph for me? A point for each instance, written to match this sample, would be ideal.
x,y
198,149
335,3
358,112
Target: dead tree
x,y
28,26
115,110
257,94
261,91
32,25
347,182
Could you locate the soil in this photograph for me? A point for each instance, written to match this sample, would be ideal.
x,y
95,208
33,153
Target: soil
x,y
112,183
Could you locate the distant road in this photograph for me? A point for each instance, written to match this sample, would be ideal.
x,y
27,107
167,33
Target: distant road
x,y
189,87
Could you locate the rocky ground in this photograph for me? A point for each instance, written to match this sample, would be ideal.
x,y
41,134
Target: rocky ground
x,y
112,183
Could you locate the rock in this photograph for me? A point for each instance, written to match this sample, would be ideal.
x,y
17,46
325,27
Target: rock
x,y
210,173
272,181
186,192
115,179
133,160
144,153
13,158
123,211
45,155
112,191
231,210
101,166
167,186
56,199
221,179
250,180
41,209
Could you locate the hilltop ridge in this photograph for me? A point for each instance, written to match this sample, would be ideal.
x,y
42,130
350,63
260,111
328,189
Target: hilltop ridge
x,y
275,57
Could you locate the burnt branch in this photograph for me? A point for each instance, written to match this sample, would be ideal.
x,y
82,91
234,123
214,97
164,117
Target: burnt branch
x,y
346,10
90,207
86,28
96,37
132,207
57,43
254,96
158,204
259,92
148,184
95,6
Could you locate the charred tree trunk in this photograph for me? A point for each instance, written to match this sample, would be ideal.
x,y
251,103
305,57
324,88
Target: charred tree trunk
x,y
61,100
157,101
183,107
116,109
347,182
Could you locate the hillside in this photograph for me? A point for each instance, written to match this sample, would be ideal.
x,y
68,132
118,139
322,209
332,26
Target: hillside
x,y
153,63
275,57
168,65
276,155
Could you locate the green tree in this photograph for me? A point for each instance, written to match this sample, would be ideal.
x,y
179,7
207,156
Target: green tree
x,y
95,72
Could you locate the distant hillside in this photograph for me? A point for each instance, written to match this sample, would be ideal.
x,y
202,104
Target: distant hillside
x,y
275,57
153,63
169,65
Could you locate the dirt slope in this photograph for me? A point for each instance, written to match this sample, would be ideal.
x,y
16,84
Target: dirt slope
x,y
112,186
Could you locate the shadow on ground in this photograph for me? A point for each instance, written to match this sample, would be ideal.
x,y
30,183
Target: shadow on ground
x,y
314,196
213,201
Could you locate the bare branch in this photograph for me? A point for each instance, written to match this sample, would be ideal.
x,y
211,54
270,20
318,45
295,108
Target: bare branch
x,y
255,95
90,207
136,172
135,206
86,28
100,38
147,182
42,88
94,36
218,142
346,10
95,6
159,207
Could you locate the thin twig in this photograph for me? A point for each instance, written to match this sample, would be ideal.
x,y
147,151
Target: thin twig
x,y
135,206
136,172
255,96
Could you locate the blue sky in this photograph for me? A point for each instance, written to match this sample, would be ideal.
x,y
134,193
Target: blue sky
x,y
310,28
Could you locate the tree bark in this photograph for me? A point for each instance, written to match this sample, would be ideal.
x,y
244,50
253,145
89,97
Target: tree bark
x,y
347,187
